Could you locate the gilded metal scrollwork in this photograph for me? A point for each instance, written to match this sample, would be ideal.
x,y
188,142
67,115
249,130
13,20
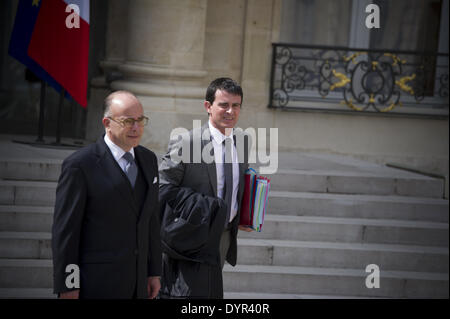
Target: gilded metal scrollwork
x,y
369,80
343,80
402,83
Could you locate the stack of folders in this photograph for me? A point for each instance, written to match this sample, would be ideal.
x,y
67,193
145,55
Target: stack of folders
x,y
254,200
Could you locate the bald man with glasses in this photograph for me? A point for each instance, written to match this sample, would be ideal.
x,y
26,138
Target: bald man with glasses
x,y
106,219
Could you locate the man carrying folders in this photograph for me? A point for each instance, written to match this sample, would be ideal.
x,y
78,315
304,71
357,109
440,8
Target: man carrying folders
x,y
200,200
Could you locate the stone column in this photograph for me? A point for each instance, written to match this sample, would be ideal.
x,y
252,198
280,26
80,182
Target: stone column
x,y
110,28
163,63
116,38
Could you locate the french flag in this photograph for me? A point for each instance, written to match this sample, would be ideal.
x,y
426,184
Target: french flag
x,y
59,43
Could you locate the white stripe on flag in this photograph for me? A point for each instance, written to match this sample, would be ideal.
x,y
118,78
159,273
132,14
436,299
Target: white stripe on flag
x,y
84,8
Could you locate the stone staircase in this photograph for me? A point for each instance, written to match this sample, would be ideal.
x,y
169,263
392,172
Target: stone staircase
x,y
28,179
328,218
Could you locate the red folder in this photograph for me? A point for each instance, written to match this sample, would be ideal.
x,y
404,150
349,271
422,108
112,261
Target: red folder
x,y
247,201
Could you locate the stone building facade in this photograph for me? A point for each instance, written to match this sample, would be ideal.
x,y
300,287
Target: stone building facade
x,y
168,51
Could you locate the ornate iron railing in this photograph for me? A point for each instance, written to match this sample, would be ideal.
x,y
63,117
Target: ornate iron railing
x,y
355,80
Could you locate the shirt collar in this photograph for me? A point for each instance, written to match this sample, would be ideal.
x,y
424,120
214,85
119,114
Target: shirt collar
x,y
217,135
116,151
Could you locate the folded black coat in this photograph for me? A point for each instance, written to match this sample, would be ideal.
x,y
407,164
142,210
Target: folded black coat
x,y
191,228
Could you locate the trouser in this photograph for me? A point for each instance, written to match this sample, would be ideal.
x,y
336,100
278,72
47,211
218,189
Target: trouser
x,y
224,245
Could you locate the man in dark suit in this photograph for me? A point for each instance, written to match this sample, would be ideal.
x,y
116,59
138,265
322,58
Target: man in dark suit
x,y
221,176
106,219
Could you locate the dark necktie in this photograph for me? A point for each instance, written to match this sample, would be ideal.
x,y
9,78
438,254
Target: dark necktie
x,y
130,168
228,173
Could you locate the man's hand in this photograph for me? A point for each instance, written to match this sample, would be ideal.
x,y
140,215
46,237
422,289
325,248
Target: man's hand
x,y
153,286
245,228
73,294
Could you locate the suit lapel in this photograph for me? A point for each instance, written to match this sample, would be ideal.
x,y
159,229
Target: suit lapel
x,y
211,167
114,174
241,158
145,168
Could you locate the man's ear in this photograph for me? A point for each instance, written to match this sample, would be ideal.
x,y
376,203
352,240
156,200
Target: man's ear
x,y
207,106
106,122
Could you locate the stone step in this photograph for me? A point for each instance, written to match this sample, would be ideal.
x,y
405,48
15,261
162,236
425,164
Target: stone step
x,y
16,218
380,182
352,230
333,281
31,273
27,193
358,206
256,295
46,293
296,203
28,245
375,181
39,218
299,228
26,273
26,218
342,255
30,170
27,293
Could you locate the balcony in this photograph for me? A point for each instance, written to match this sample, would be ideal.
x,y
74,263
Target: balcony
x,y
349,80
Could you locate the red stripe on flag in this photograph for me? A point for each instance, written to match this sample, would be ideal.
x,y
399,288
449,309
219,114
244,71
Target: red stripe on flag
x,y
62,52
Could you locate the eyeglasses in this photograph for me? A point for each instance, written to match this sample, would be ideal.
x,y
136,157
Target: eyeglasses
x,y
129,122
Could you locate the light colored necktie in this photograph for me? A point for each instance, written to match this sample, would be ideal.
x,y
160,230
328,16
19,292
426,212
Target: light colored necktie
x,y
130,168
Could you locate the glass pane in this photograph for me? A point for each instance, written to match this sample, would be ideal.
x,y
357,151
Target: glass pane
x,y
318,22
407,25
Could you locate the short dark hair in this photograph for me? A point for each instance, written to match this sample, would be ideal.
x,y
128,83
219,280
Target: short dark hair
x,y
226,84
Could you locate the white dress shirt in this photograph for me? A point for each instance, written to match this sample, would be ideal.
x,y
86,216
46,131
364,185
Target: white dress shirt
x,y
217,141
118,152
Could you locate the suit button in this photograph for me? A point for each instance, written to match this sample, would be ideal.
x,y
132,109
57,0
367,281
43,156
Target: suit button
x,y
136,252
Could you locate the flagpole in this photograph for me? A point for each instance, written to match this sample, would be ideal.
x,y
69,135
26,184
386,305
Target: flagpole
x,y
40,138
58,123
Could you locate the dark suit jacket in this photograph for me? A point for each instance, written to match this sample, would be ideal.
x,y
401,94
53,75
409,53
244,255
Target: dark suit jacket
x,y
97,225
201,177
